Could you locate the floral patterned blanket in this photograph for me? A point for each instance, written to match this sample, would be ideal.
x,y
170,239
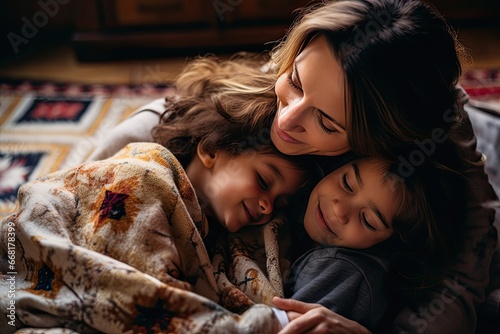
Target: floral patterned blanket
x,y
117,246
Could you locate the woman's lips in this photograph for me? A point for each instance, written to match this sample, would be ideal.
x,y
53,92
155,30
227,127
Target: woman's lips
x,y
321,221
285,136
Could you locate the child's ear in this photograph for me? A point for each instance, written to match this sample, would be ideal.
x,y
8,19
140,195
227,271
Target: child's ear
x,y
208,159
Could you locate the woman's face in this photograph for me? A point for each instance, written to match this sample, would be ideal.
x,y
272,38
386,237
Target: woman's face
x,y
311,117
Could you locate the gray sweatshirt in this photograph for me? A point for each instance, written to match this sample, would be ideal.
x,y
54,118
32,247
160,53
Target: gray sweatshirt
x,y
349,282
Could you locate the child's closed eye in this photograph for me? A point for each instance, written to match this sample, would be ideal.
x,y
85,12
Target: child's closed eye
x,y
366,223
345,184
262,182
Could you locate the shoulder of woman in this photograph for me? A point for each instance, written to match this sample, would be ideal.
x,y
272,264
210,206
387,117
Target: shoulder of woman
x,y
136,128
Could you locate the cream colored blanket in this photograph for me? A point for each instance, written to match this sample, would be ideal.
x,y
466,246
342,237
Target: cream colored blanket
x,y
117,246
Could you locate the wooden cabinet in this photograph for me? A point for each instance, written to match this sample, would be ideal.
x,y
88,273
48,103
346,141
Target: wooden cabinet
x,y
113,29
118,29
134,13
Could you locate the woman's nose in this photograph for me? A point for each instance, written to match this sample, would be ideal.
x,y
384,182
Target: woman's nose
x,y
290,116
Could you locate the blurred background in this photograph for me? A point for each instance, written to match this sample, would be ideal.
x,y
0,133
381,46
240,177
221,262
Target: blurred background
x,y
148,41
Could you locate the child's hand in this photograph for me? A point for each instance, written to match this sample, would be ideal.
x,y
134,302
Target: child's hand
x,y
314,318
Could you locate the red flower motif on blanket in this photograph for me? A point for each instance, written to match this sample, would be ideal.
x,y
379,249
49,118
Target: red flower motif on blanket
x,y
113,205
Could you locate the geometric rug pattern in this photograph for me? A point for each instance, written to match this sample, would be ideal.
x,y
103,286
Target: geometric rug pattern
x,y
483,86
46,126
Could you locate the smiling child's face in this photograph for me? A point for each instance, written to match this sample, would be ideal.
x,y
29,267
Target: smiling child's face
x,y
245,189
352,206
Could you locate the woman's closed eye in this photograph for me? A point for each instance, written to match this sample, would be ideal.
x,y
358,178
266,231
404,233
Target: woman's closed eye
x,y
319,117
292,83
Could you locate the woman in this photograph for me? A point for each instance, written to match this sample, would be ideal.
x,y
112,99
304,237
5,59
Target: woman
x,y
378,77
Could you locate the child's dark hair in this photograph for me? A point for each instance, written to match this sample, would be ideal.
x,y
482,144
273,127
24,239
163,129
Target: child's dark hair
x,y
428,224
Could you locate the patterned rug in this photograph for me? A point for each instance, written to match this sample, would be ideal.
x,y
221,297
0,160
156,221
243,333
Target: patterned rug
x,y
483,86
47,126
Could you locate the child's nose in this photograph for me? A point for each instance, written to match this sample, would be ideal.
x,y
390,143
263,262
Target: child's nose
x,y
341,210
266,205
